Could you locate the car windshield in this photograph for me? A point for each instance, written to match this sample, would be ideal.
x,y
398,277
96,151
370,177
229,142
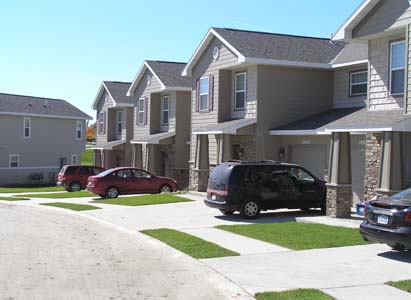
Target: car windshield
x,y
102,174
406,194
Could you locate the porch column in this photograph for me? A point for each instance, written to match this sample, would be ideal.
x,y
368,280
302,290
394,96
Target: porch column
x,y
223,148
199,176
392,167
339,188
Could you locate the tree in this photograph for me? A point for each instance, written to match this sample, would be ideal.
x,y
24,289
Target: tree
x,y
91,133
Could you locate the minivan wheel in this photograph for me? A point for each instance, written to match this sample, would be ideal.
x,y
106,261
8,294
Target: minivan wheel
x,y
75,187
227,212
112,192
250,209
165,189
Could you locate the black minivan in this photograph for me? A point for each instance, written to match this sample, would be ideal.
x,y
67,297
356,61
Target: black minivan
x,y
249,187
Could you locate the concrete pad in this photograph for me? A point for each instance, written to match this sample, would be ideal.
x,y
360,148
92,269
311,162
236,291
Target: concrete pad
x,y
234,242
375,292
319,268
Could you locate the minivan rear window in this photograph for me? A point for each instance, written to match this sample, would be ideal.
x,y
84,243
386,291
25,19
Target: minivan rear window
x,y
70,170
221,174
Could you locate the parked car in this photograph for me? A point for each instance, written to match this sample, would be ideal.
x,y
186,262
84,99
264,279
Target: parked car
x,y
117,181
249,187
388,221
75,178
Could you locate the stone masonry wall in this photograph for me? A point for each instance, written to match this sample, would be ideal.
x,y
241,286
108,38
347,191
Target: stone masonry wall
x,y
339,201
198,179
248,144
372,164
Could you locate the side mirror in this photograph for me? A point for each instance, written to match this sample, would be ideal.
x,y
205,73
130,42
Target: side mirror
x,y
148,176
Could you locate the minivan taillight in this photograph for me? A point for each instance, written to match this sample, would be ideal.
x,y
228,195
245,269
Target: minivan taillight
x,y
407,218
219,193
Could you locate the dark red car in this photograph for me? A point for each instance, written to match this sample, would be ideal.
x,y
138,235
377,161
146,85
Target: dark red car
x,y
117,181
75,178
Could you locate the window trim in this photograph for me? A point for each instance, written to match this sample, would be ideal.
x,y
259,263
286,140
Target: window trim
x,y
24,127
18,160
102,122
77,129
163,110
393,43
351,84
119,112
207,109
140,121
72,161
240,91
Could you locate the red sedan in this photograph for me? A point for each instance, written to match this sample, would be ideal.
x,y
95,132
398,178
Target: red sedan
x,y
122,181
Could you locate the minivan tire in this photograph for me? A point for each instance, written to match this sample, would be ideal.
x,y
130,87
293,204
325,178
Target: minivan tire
x,y
74,187
250,208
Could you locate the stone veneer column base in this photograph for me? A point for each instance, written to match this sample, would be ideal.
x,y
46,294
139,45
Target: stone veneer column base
x,y
198,179
181,175
338,203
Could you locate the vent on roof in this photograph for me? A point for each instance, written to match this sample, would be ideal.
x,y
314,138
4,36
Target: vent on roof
x,y
46,104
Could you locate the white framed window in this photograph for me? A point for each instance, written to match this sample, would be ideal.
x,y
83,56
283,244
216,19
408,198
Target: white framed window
x,y
240,90
397,67
74,159
119,123
358,83
203,93
79,129
101,122
14,160
27,127
165,110
141,111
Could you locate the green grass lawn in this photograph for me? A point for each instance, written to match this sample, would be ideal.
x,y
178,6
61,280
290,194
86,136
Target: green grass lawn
x,y
71,206
144,200
13,198
87,157
299,236
61,195
188,244
30,189
300,294
404,285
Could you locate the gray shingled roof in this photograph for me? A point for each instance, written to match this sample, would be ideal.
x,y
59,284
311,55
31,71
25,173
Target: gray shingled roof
x,y
223,126
352,52
28,105
369,119
170,73
319,121
281,46
118,90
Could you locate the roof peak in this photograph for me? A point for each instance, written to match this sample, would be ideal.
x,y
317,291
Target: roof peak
x,y
166,62
33,97
117,81
273,33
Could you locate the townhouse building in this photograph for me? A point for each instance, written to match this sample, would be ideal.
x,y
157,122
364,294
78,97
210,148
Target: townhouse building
x,y
161,98
37,137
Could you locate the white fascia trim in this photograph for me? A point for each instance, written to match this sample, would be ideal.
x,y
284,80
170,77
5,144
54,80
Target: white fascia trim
x,y
131,89
137,79
109,147
98,96
208,132
177,88
229,130
45,116
364,129
123,104
203,44
288,63
154,140
29,168
352,63
163,86
298,132
341,33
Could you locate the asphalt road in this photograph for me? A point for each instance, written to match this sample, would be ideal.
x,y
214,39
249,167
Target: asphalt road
x,y
48,254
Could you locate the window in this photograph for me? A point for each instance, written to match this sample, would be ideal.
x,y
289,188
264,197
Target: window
x,y
27,127
141,174
358,83
300,176
240,90
397,68
14,160
204,88
79,129
119,123
140,111
102,122
165,110
74,159
124,174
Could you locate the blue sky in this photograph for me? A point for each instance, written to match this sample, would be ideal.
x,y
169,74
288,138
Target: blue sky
x,y
64,50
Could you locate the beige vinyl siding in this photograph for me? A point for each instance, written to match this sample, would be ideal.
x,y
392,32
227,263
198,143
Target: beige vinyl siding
x,y
208,66
342,96
250,110
182,122
143,90
104,106
385,16
379,57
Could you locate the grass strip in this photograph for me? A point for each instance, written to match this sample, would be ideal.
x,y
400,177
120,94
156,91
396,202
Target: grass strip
x,y
144,200
31,189
71,206
300,294
61,195
13,198
87,157
299,236
404,285
189,244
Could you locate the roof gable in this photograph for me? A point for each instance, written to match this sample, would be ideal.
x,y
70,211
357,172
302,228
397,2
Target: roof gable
x,y
117,91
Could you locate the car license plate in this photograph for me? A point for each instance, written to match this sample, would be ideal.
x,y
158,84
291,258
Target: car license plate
x,y
213,197
382,219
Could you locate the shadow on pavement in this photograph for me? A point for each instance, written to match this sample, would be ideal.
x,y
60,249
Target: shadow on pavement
x,y
398,256
272,217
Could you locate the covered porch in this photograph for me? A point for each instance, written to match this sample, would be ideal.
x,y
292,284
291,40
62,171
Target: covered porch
x,y
111,154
